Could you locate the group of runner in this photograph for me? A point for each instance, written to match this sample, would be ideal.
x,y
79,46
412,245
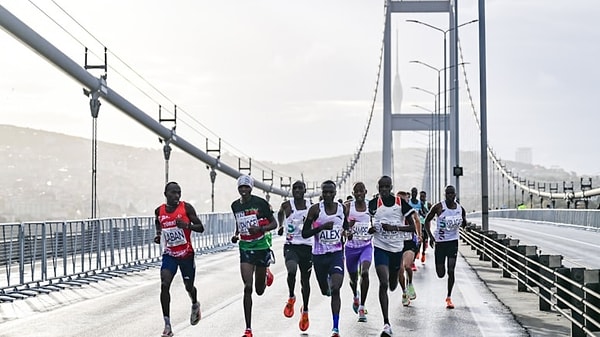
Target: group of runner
x,y
329,236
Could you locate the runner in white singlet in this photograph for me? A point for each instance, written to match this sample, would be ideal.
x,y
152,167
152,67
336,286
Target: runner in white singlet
x,y
450,216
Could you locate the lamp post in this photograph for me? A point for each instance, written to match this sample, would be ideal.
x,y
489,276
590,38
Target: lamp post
x,y
429,156
444,32
435,125
438,113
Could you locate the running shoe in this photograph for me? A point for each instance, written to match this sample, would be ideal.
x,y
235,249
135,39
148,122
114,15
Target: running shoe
x,y
335,332
355,304
167,332
405,300
304,323
410,291
288,311
247,333
270,277
423,258
449,304
413,267
362,315
387,331
195,316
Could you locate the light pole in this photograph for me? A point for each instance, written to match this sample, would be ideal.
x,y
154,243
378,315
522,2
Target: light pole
x,y
435,125
444,32
438,113
429,156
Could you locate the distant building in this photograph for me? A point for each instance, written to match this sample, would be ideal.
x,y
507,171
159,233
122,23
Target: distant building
x,y
524,155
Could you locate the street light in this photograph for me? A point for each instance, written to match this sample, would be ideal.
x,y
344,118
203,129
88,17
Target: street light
x,y
438,113
428,157
444,32
435,129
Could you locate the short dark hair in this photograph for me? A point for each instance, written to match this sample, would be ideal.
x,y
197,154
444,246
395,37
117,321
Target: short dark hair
x,y
328,182
169,184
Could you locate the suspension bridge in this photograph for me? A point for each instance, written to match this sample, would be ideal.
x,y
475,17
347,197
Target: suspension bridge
x,y
491,175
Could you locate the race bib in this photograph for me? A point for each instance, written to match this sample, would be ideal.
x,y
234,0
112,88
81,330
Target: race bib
x,y
360,231
453,224
174,236
330,237
294,227
244,222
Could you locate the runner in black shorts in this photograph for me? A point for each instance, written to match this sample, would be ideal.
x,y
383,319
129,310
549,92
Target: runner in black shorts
x,y
296,250
450,216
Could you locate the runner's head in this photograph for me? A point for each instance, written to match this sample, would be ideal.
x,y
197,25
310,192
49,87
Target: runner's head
x,y
245,184
328,191
172,193
384,186
298,189
359,191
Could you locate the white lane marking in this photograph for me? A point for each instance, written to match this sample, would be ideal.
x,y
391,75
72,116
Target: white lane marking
x,y
490,324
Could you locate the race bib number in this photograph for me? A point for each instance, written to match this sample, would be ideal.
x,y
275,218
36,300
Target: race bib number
x,y
174,236
360,231
294,227
244,222
330,237
453,224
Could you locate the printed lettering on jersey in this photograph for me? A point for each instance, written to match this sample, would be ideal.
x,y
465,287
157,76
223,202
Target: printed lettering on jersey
x,y
360,231
453,223
294,228
246,221
330,237
174,236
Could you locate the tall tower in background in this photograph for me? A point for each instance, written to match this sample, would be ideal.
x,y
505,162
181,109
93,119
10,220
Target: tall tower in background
x,y
524,155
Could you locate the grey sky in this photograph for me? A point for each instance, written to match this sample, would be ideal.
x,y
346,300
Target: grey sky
x,y
301,73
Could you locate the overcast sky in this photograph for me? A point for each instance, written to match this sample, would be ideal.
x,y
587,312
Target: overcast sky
x,y
284,81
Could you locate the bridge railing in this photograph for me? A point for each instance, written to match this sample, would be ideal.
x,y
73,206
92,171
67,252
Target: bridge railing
x,y
573,292
569,217
39,257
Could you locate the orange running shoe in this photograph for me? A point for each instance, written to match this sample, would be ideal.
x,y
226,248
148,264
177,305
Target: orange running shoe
x,y
449,304
270,277
247,333
304,323
423,258
288,311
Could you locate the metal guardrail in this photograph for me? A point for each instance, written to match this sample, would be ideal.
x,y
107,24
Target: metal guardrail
x,y
573,292
573,217
41,257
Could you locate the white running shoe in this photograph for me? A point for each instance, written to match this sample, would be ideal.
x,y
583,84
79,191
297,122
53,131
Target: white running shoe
x,y
387,331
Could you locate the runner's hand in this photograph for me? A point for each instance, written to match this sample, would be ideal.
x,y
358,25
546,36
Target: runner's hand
x,y
157,239
182,224
234,239
280,231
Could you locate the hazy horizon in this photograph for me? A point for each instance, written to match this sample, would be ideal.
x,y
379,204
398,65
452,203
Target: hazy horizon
x,y
275,85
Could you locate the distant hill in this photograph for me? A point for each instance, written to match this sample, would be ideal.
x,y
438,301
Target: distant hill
x,y
47,175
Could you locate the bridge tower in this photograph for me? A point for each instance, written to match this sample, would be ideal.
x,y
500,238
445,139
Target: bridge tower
x,y
419,122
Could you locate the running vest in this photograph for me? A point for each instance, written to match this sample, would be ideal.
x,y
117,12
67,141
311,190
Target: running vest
x,y
176,241
360,230
390,241
418,206
329,241
448,223
294,224
254,212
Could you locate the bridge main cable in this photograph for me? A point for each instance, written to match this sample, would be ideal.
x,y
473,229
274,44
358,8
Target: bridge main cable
x,y
29,37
